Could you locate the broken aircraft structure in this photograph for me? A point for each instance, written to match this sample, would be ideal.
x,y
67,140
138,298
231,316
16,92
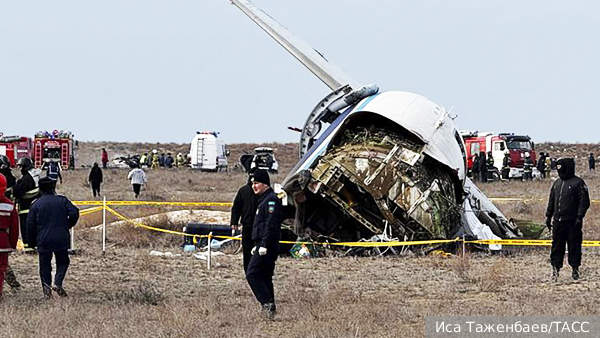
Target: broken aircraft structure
x,y
389,165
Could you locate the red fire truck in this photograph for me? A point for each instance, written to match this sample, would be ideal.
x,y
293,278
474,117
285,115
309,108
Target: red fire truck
x,y
15,147
57,146
517,145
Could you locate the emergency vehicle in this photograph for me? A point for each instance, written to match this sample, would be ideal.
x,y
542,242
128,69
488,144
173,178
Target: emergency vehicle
x,y
57,146
516,145
208,152
15,147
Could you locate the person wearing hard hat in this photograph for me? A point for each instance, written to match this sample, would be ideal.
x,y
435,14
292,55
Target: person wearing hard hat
x,y
155,160
180,160
528,167
9,230
25,192
265,235
506,165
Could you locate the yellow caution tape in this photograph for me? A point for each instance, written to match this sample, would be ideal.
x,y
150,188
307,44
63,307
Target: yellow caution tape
x,y
89,211
528,242
153,203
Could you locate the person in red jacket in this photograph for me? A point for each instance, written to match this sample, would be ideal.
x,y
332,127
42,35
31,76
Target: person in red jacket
x,y
9,229
104,158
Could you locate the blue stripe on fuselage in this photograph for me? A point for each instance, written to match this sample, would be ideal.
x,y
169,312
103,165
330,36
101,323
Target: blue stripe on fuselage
x,y
317,149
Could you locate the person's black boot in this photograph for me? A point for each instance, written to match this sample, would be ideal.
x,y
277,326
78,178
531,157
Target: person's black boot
x,y
269,310
47,293
575,274
555,274
60,291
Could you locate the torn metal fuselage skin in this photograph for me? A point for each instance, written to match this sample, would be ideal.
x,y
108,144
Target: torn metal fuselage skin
x,y
372,172
390,164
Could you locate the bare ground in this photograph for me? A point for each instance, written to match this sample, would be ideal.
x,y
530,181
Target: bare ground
x,y
128,293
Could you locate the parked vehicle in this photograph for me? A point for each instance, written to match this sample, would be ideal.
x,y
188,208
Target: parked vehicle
x,y
263,158
517,145
15,147
208,152
58,146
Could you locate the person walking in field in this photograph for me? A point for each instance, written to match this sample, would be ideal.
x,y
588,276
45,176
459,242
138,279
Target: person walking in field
x,y
9,230
104,158
138,178
592,162
50,218
265,235
95,179
567,205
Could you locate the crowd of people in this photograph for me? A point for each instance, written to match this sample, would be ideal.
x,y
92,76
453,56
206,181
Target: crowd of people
x,y
483,167
31,209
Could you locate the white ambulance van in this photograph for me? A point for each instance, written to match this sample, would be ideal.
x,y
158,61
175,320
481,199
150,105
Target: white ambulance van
x,y
208,152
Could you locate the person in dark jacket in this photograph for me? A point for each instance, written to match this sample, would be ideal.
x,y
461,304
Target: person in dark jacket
x,y
50,218
541,164
9,230
95,179
506,165
24,192
53,170
482,167
475,168
592,162
169,160
569,201
265,234
242,212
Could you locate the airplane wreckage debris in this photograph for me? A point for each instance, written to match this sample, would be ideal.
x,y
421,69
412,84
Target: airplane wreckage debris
x,y
388,165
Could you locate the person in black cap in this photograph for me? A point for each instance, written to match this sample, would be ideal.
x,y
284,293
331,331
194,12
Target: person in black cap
x,y
243,211
569,201
50,218
265,235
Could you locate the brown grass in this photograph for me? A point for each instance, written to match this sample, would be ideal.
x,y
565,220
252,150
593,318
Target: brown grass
x,y
128,293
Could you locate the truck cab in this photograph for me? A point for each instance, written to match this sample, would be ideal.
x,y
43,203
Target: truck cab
x,y
516,145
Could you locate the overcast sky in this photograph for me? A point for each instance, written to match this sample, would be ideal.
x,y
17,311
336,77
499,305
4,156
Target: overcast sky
x,y
157,70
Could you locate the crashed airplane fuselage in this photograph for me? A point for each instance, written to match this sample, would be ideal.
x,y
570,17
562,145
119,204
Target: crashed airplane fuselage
x,y
371,163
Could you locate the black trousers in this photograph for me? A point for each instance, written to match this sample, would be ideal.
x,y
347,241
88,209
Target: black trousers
x,y
62,264
566,234
96,188
260,275
136,189
247,245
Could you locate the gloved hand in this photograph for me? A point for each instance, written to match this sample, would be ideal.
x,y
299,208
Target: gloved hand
x,y
262,251
549,223
253,251
578,223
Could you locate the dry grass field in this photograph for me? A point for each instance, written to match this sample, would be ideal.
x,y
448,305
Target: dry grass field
x,y
129,293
